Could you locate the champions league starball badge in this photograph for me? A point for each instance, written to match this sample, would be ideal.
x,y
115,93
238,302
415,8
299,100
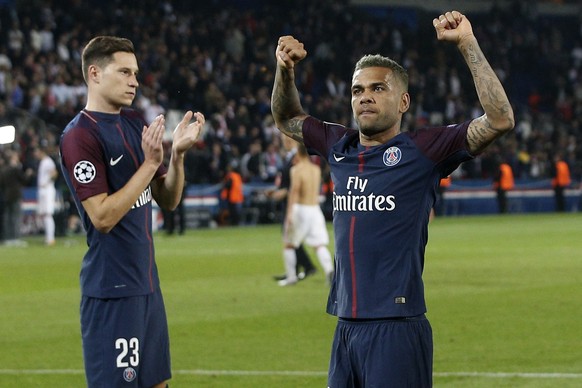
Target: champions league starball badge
x,y
84,171
392,156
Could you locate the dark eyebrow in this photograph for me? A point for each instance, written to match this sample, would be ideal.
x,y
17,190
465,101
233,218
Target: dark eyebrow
x,y
128,69
372,85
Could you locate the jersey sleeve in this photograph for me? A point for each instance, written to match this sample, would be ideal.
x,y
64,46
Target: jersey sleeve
x,y
83,160
319,136
445,145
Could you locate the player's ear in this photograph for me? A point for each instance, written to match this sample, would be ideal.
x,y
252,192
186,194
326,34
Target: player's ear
x,y
404,102
94,73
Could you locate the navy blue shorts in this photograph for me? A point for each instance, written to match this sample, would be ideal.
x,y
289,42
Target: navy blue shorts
x,y
382,353
125,341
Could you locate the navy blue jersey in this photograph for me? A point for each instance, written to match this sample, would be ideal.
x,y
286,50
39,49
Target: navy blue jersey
x,y
382,199
99,153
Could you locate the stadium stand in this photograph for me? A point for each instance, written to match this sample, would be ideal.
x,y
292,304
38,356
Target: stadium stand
x,y
218,59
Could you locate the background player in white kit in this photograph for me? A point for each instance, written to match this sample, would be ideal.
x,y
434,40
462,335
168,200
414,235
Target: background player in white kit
x,y
304,221
46,193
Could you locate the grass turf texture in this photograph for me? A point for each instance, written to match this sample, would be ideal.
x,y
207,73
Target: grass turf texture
x,y
504,296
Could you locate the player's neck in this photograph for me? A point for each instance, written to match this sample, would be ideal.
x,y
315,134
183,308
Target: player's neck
x,y
379,138
96,104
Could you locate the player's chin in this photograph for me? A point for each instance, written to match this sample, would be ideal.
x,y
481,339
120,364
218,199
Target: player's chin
x,y
126,101
369,130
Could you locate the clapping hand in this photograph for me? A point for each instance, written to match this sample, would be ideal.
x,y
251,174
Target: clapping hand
x,y
186,133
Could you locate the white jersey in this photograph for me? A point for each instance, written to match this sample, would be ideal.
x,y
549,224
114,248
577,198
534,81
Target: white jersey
x,y
46,194
46,171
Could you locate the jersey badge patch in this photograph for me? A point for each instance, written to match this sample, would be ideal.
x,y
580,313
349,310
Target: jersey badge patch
x,y
84,171
392,156
129,374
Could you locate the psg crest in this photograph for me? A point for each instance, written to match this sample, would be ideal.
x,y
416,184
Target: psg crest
x,y
129,374
392,156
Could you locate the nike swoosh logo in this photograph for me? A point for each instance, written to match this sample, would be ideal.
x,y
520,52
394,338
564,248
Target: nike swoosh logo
x,y
338,158
113,162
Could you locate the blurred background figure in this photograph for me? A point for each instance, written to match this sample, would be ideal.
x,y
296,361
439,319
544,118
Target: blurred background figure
x,y
304,220
46,193
231,196
503,182
12,180
179,212
170,217
560,173
304,266
444,184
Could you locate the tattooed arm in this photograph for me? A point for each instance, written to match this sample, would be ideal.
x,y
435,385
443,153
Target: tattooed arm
x,y
285,102
498,118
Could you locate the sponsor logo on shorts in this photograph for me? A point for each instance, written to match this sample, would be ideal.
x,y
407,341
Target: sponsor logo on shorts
x,y
129,374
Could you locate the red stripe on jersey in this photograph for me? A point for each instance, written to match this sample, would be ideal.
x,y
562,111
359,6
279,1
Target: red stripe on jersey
x,y
361,162
127,146
151,258
353,269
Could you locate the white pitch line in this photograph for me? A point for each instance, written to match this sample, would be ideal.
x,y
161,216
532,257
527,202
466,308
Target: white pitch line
x,y
41,371
504,375
249,372
497,375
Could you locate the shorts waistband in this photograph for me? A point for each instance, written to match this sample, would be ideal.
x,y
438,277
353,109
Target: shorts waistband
x,y
387,319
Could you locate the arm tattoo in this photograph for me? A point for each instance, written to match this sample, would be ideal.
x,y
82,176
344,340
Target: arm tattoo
x,y
286,106
494,101
481,134
295,129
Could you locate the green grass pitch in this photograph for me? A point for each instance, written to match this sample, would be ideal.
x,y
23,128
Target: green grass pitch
x,y
504,295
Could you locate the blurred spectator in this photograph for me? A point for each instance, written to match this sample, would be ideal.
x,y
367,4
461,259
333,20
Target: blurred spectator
x,y
46,193
218,162
194,62
503,183
12,180
560,181
231,196
444,185
171,215
251,166
271,163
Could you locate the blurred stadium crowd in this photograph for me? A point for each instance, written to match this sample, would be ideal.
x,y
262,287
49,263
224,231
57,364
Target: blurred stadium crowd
x,y
217,58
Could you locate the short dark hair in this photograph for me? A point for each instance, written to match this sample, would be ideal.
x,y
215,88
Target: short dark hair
x,y
377,60
100,51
